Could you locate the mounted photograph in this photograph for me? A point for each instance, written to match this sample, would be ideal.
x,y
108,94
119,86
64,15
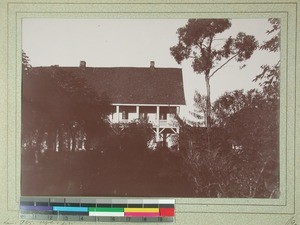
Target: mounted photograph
x,y
183,108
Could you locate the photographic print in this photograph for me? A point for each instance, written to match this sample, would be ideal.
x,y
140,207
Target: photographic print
x,y
150,107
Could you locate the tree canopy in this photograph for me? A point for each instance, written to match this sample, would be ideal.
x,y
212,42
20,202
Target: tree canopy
x,y
269,77
58,103
196,42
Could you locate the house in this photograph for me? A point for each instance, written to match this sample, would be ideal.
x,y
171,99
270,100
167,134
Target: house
x,y
149,92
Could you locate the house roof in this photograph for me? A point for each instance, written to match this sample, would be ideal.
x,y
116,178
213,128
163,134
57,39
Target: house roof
x,y
129,85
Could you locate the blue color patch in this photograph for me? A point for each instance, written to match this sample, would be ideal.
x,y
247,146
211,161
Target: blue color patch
x,y
70,209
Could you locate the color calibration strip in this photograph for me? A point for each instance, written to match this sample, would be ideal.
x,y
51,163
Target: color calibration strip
x,y
97,210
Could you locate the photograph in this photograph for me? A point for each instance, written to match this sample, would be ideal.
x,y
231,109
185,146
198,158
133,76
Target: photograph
x,y
180,108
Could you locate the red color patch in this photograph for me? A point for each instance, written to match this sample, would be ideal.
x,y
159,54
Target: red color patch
x,y
167,212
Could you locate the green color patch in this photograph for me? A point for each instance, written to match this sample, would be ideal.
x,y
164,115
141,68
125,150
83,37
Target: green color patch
x,y
105,209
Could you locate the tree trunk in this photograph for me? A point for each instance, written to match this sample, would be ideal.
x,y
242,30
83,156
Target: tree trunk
x,y
51,140
33,140
37,150
208,110
73,139
61,141
39,139
57,140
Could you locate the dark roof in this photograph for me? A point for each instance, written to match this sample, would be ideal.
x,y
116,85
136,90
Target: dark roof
x,y
130,85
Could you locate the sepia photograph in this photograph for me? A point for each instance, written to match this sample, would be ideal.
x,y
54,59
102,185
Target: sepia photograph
x,y
185,108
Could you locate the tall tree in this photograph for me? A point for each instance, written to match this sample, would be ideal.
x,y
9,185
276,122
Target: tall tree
x,y
196,42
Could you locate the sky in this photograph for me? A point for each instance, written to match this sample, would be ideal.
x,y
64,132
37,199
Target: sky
x,y
136,42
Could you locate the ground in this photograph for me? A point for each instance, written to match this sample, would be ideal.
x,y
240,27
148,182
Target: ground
x,y
94,173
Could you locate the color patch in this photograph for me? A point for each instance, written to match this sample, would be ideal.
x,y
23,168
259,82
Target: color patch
x,y
105,209
150,210
70,209
167,212
37,208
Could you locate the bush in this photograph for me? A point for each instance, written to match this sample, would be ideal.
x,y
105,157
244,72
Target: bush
x,y
243,160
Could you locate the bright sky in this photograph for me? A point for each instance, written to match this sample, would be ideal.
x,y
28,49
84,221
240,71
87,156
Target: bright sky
x,y
134,43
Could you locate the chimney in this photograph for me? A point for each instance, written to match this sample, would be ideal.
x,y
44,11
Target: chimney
x,y
82,64
152,64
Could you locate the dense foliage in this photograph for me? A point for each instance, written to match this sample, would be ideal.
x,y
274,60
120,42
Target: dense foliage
x,y
244,157
59,112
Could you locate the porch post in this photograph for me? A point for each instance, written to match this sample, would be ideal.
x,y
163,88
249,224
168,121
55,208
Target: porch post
x,y
177,110
138,112
157,124
118,112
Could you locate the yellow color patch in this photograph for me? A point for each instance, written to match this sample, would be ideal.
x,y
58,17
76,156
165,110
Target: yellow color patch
x,y
152,210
